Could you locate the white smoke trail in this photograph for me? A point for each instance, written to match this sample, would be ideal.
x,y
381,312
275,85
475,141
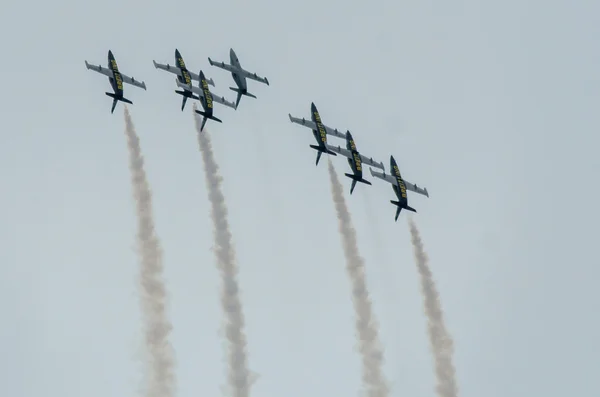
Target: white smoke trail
x,y
366,325
161,380
439,338
239,375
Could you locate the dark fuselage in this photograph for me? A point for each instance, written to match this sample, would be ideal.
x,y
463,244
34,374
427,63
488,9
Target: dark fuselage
x,y
320,134
116,81
185,77
400,190
240,81
355,162
206,100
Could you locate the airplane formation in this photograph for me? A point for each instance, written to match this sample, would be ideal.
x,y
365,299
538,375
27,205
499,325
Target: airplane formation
x,y
185,78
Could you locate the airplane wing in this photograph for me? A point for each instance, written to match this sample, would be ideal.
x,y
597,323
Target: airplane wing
x,y
409,186
132,81
196,77
169,68
191,88
105,71
240,71
383,176
200,93
175,70
252,76
416,189
223,65
302,121
340,150
371,162
310,124
223,101
348,153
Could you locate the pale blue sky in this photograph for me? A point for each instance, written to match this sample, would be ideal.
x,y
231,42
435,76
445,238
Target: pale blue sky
x,y
490,105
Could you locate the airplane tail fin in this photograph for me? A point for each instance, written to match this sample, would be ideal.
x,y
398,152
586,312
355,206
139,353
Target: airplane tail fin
x,y
320,151
116,99
237,100
186,95
399,208
356,179
206,117
240,93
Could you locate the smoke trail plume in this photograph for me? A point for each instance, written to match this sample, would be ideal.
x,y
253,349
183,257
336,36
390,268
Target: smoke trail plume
x,y
160,382
366,326
439,338
239,376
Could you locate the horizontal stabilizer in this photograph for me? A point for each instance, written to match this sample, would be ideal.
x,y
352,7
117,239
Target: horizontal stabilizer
x,y
356,179
400,207
239,95
188,94
113,96
242,92
396,203
208,116
320,149
116,99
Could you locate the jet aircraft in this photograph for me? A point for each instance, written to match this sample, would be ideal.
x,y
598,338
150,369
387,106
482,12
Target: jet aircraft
x,y
239,75
400,187
319,130
116,80
356,160
183,75
206,99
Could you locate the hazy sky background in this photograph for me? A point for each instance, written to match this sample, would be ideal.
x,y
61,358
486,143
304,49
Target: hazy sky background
x,y
493,106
